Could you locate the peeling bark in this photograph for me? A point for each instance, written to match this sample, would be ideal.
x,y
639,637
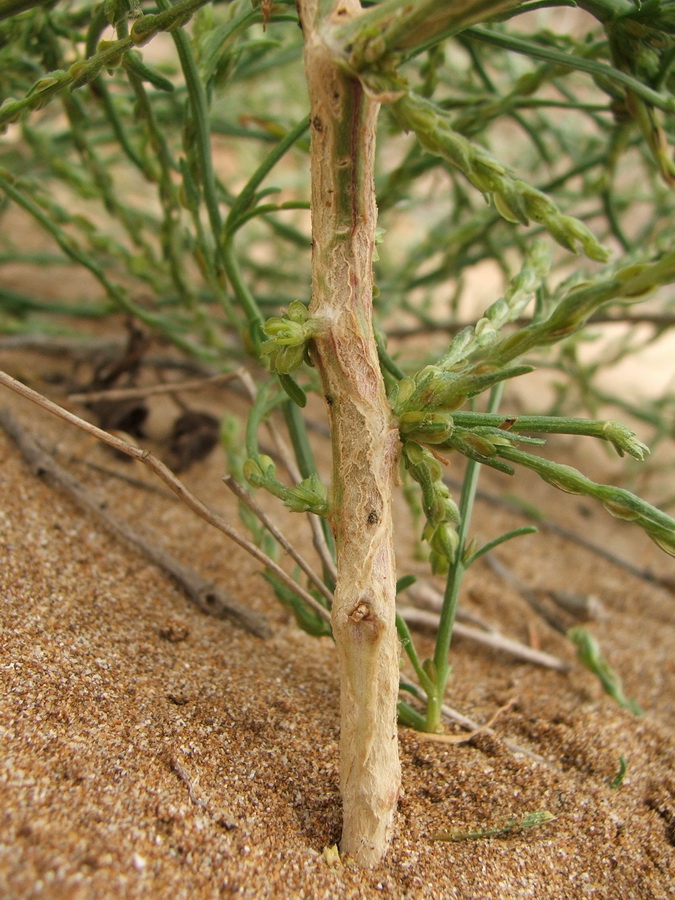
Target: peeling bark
x,y
364,437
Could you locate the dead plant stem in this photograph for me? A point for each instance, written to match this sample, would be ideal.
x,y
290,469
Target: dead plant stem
x,y
199,384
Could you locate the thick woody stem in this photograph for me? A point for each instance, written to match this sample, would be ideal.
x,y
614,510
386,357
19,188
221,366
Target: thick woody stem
x,y
364,437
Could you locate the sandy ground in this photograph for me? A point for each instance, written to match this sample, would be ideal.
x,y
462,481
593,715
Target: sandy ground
x,y
148,750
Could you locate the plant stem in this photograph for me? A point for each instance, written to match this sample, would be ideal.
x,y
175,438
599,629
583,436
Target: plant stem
x,y
10,8
364,437
396,25
297,430
572,61
454,584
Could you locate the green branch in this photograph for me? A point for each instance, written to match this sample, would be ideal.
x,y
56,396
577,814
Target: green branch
x,y
109,56
570,315
621,437
617,501
515,200
575,62
395,26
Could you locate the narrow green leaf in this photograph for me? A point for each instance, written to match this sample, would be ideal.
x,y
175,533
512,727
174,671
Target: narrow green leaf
x,y
486,548
617,781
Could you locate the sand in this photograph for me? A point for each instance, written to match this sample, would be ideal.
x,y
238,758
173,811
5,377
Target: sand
x,y
151,751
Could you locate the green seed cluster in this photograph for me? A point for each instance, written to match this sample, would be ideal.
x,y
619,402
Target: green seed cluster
x,y
309,496
109,55
514,199
504,310
631,282
288,335
435,388
440,509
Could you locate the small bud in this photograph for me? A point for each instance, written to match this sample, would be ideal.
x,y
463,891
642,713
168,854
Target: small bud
x,y
144,29
427,428
113,58
252,472
434,468
82,73
418,116
284,331
439,563
309,496
633,273
445,540
539,207
485,332
452,511
508,211
624,440
618,507
480,444
10,111
267,465
413,453
39,94
298,312
436,511
665,540
404,391
288,359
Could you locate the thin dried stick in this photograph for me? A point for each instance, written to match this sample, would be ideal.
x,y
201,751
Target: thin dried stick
x,y
246,498
321,547
54,345
492,639
198,384
528,595
425,596
204,594
167,476
465,738
465,722
452,715
122,476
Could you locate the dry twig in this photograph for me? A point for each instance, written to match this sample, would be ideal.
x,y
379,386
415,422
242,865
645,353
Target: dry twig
x,y
248,500
465,738
492,639
167,476
199,384
452,715
204,594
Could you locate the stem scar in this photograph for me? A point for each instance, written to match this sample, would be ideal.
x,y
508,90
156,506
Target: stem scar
x,y
362,612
